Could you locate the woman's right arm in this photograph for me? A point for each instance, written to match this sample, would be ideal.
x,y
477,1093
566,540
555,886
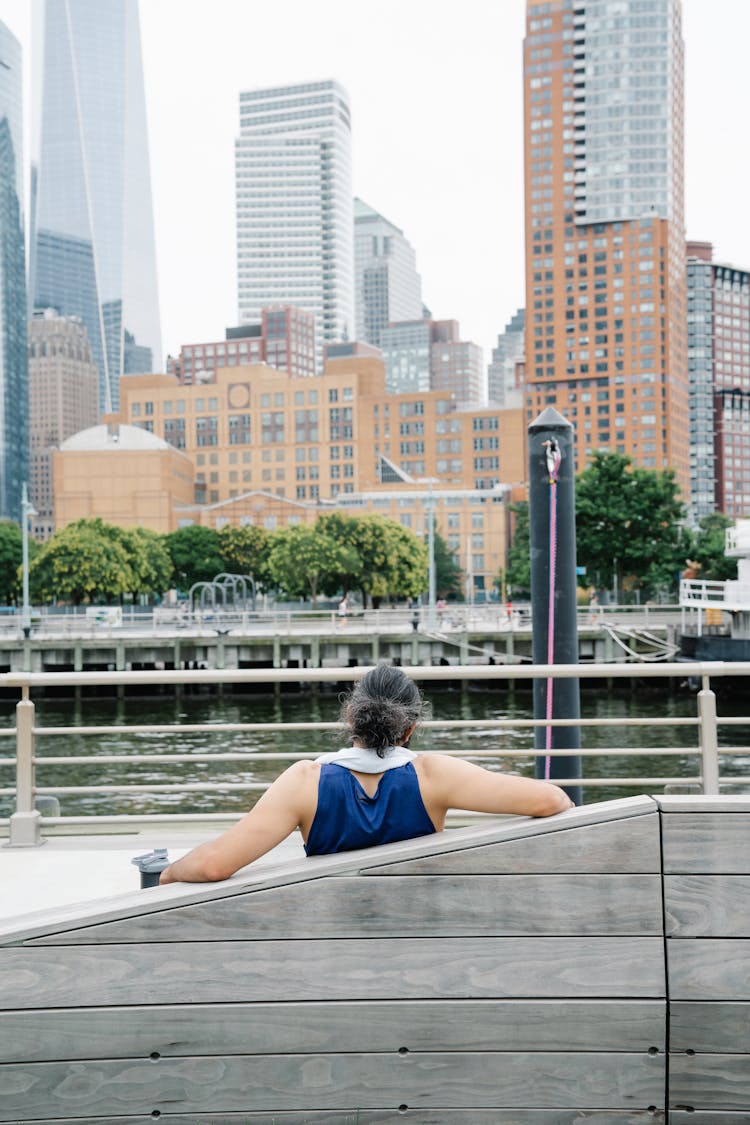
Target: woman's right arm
x,y
455,784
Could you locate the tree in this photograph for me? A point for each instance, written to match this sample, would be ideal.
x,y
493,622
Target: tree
x,y
150,560
11,557
80,564
385,559
448,574
518,570
196,556
708,548
304,560
628,524
245,550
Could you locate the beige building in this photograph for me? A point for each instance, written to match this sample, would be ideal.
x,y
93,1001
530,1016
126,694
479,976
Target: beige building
x,y
273,450
123,475
63,399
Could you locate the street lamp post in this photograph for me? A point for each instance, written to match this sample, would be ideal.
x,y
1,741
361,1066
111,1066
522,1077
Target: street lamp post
x,y
27,511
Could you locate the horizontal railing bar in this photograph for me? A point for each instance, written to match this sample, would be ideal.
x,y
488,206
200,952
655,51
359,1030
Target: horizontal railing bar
x,y
302,755
427,724
620,670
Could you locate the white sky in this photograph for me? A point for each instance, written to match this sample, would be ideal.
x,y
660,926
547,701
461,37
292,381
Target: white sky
x,y
436,94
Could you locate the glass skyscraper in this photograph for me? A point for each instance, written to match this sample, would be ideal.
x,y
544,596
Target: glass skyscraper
x,y
92,253
295,212
388,287
14,394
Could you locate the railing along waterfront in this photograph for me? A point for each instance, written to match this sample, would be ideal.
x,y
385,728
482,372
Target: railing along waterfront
x,y
25,821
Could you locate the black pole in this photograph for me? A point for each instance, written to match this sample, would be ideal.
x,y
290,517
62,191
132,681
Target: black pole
x,y
551,457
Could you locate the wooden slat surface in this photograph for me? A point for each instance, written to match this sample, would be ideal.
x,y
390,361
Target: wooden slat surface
x,y
345,1082
421,1116
405,906
709,1117
707,905
722,1027
323,970
710,1081
709,968
706,843
418,1025
618,846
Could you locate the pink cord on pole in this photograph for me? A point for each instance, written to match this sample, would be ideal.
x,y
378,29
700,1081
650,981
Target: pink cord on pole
x,y
553,457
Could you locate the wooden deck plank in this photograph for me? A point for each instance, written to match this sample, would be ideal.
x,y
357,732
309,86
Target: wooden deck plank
x,y
710,1082
711,1117
345,1082
710,1026
628,846
706,843
418,1025
316,867
421,1116
709,968
462,968
404,906
707,905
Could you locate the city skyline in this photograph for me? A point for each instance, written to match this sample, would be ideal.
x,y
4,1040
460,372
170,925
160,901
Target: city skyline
x,y
448,175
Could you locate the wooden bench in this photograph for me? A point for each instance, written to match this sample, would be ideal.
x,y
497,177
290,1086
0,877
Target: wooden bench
x,y
511,973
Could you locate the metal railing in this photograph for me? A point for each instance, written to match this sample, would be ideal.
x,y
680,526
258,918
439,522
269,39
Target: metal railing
x,y
25,822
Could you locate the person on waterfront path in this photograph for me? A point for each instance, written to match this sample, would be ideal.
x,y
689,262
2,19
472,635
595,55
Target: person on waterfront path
x,y
343,610
375,791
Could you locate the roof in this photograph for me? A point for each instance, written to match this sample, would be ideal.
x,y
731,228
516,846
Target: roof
x,y
113,437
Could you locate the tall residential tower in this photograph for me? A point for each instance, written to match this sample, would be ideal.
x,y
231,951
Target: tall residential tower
x,y
605,260
294,205
14,390
93,250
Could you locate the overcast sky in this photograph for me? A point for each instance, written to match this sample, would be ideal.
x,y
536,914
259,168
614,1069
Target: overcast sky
x,y
436,93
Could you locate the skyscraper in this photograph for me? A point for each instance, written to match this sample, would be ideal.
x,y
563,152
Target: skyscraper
x,y
502,371
14,395
294,205
719,365
387,285
93,252
428,355
605,261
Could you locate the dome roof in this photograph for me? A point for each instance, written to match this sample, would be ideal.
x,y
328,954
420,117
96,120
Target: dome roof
x,y
113,436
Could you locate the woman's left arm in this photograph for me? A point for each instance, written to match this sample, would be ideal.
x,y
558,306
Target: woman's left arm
x,y
276,815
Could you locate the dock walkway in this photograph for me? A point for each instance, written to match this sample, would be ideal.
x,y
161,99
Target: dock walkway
x,y
591,967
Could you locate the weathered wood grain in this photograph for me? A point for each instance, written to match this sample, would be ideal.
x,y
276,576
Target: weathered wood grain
x,y
348,1081
710,1081
618,846
711,1117
707,905
706,843
232,972
266,874
418,1025
421,1116
709,968
404,906
710,1026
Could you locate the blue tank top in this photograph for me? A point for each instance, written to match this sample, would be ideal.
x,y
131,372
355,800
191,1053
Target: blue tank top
x,y
346,818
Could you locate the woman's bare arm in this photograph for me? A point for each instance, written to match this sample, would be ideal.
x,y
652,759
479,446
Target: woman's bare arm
x,y
278,812
452,783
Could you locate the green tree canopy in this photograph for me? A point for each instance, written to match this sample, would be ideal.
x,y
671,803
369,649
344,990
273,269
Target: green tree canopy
x,y
518,570
708,548
628,523
81,564
11,556
245,550
304,559
448,574
385,559
196,555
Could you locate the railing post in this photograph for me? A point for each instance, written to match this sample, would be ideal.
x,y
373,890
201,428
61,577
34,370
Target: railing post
x,y
709,738
25,821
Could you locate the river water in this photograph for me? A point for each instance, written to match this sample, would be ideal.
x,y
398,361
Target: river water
x,y
472,705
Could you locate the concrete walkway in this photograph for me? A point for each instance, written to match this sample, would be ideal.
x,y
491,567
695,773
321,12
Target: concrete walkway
x,y
69,869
